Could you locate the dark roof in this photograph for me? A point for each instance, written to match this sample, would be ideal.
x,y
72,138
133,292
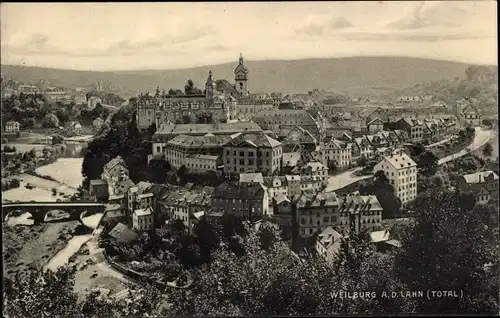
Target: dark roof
x,y
224,85
246,191
203,129
122,234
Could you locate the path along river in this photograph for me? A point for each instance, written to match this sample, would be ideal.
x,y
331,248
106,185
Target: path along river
x,y
67,173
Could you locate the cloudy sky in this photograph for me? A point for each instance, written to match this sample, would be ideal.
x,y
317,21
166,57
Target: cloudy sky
x,y
126,36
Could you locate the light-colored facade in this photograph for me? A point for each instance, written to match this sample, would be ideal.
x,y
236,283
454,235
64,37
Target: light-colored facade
x,y
142,220
483,184
182,204
276,185
93,101
114,211
80,99
201,163
186,150
471,116
12,126
401,171
248,107
252,153
140,196
375,125
339,152
328,245
28,89
316,169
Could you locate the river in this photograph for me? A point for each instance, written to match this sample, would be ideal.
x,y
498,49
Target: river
x,y
66,171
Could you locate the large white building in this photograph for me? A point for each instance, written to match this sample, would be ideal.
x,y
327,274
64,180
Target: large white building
x,y
252,153
194,152
401,171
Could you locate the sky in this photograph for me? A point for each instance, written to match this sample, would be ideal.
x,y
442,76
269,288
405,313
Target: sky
x,y
139,36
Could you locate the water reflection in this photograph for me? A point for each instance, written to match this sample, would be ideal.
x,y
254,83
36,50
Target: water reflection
x,y
23,219
74,150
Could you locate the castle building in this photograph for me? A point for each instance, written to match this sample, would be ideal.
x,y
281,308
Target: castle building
x,y
220,100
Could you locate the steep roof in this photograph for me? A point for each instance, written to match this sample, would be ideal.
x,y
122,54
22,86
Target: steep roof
x,y
122,234
356,203
399,161
143,212
300,135
291,158
256,140
317,199
280,198
315,166
206,141
284,117
251,177
223,85
248,191
203,129
113,162
328,237
480,177
379,236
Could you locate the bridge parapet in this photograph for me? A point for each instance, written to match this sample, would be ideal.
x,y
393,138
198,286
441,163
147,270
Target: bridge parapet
x,y
40,209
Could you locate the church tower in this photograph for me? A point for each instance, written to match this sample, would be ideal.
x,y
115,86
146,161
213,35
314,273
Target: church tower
x,y
210,86
241,77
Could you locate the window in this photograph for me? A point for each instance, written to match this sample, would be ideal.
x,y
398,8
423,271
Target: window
x,y
242,161
242,154
325,219
250,162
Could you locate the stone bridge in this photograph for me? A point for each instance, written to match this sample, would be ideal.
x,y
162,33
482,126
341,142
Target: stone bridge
x,y
40,209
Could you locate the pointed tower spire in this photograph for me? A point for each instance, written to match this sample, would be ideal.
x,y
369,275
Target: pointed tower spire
x,y
241,58
209,86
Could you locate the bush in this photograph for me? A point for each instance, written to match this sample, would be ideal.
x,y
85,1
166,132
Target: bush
x,y
50,121
57,139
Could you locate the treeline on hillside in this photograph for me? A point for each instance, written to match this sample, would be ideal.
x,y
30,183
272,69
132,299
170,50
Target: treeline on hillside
x,y
481,84
121,138
33,111
107,98
451,246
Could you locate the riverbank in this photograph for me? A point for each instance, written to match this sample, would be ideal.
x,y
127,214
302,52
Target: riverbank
x,y
34,244
94,272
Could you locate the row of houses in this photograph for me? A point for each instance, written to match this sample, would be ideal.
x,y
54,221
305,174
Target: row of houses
x,y
252,198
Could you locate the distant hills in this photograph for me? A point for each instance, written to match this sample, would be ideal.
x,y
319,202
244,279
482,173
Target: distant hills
x,y
355,76
480,84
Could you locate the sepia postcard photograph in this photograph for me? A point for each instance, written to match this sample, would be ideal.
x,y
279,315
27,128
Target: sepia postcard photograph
x,y
182,159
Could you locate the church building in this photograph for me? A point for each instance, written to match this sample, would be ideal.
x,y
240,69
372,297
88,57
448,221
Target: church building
x,y
220,100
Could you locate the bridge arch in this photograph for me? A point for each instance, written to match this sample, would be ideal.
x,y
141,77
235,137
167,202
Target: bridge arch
x,y
38,210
